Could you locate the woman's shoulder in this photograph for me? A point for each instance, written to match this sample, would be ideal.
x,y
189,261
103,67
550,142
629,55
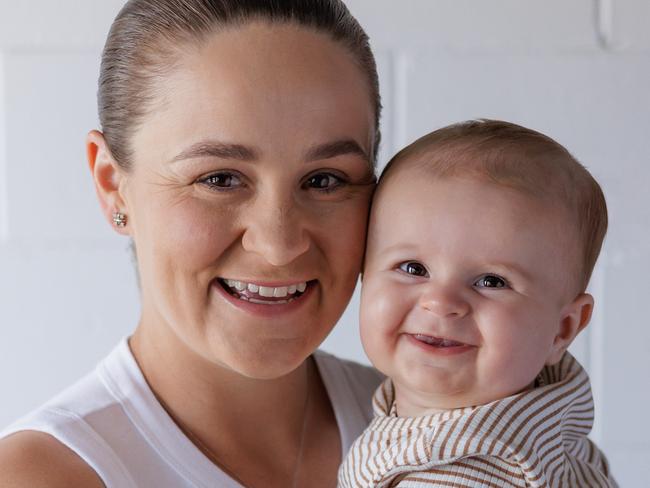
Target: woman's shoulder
x,y
78,407
66,438
30,459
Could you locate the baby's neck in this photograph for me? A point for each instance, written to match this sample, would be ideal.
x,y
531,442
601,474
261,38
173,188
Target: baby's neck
x,y
416,404
411,403
407,408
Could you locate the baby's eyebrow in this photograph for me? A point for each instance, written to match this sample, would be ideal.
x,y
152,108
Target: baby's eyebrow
x,y
400,247
511,268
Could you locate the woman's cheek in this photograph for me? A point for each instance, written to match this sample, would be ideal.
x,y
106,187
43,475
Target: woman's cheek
x,y
351,221
196,231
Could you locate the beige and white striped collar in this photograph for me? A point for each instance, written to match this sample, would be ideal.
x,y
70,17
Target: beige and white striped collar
x,y
509,427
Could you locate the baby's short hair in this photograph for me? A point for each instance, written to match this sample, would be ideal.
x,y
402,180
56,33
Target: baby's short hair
x,y
516,157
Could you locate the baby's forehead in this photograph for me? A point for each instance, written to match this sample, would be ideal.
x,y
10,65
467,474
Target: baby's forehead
x,y
510,166
430,173
414,185
466,222
419,186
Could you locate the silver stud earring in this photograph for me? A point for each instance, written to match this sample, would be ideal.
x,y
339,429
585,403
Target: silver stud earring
x,y
119,219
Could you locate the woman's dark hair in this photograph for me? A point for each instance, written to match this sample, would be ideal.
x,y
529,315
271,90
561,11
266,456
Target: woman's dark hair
x,y
146,37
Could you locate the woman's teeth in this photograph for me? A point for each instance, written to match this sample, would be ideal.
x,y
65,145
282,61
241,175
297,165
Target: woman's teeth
x,y
253,292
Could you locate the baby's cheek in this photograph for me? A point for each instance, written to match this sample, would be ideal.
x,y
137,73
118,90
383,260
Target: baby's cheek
x,y
380,307
515,363
380,319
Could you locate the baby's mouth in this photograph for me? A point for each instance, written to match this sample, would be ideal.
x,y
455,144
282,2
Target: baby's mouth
x,y
265,295
437,341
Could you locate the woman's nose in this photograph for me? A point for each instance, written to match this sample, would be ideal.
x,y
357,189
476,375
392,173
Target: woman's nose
x,y
444,302
275,229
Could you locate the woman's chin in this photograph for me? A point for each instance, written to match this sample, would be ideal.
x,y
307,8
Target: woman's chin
x,y
273,360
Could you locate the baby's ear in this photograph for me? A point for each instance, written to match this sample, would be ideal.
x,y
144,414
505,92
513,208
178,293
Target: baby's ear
x,y
574,317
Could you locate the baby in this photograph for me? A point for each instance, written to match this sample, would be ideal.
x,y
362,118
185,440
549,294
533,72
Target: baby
x,y
482,240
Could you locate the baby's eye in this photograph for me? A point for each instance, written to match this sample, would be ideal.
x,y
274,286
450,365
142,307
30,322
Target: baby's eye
x,y
325,182
491,281
414,268
222,181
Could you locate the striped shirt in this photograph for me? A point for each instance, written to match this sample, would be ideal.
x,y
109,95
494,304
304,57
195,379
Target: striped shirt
x,y
535,438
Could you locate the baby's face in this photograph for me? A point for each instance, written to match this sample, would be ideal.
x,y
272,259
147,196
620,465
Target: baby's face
x,y
464,289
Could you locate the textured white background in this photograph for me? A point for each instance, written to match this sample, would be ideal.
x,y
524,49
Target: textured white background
x,y
578,70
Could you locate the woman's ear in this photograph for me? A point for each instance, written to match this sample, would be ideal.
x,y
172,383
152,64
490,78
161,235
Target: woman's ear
x,y
574,317
108,177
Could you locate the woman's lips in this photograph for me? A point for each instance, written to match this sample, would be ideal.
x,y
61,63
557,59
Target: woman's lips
x,y
265,300
264,294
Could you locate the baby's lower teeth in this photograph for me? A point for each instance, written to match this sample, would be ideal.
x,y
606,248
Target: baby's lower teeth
x,y
437,342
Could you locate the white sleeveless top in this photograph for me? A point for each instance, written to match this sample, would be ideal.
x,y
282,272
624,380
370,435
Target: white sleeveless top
x,y
113,421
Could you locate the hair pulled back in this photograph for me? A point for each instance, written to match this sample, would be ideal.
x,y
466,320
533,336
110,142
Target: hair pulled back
x,y
146,37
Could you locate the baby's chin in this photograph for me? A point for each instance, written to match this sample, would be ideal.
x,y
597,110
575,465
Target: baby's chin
x,y
415,402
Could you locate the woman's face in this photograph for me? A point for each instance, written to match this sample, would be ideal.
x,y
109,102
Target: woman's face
x,y
252,178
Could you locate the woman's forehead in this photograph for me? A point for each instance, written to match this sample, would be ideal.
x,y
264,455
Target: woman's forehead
x,y
270,60
262,86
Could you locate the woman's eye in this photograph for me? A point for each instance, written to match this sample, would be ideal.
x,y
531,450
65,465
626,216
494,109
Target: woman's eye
x,y
222,181
325,182
491,281
414,268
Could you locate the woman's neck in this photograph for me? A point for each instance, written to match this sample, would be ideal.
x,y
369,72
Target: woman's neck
x,y
223,412
204,392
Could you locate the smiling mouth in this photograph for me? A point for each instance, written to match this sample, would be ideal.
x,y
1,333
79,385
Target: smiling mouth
x,y
437,341
265,295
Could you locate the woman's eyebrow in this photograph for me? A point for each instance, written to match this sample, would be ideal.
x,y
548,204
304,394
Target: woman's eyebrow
x,y
334,149
216,150
244,153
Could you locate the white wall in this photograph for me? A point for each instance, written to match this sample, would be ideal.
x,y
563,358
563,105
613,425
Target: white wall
x,y
577,70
